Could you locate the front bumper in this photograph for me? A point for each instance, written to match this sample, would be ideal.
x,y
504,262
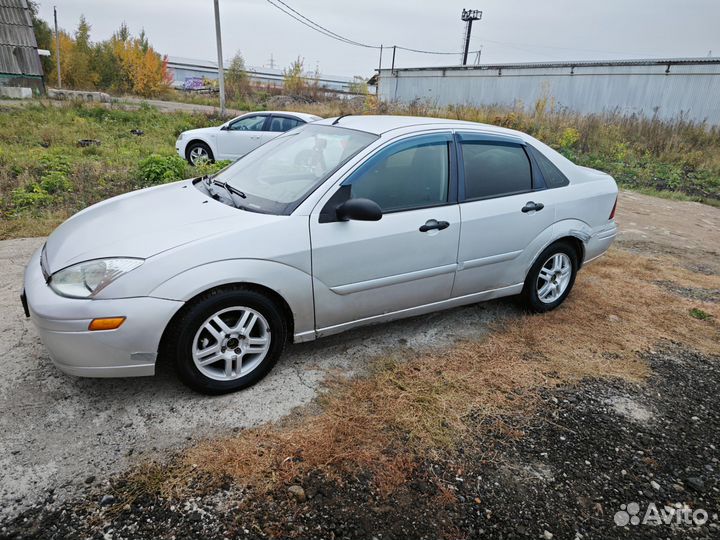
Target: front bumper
x,y
62,324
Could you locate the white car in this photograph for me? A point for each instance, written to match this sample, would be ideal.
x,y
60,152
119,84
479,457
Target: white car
x,y
238,136
333,225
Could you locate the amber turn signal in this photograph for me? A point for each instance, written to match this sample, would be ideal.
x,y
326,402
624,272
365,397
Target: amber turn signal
x,y
107,323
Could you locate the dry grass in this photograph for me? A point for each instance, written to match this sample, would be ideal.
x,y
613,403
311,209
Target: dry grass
x,y
409,408
29,226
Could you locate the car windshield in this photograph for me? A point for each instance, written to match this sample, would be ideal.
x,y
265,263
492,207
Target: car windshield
x,y
278,176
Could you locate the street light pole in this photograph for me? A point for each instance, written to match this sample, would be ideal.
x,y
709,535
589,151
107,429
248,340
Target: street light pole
x,y
221,69
469,15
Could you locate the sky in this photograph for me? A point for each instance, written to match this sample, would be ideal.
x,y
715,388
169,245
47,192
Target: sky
x,y
510,30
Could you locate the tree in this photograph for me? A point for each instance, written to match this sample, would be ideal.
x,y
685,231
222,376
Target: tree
x,y
43,36
358,86
146,71
237,82
293,79
67,49
80,73
122,63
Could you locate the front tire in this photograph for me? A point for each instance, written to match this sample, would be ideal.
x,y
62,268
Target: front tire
x,y
198,151
227,340
551,278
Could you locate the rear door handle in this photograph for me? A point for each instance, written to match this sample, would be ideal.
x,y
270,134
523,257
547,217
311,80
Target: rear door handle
x,y
432,224
530,206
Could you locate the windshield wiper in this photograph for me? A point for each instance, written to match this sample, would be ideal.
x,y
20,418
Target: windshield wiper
x,y
210,182
229,188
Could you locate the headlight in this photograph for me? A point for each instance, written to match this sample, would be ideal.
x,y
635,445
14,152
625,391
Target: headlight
x,y
180,137
86,279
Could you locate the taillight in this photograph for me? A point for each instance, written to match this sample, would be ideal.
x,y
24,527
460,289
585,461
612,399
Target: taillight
x,y
612,214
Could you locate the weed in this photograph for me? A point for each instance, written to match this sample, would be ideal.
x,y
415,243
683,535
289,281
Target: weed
x,y
157,169
698,313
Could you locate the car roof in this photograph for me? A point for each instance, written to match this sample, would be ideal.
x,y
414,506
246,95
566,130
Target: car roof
x,y
379,124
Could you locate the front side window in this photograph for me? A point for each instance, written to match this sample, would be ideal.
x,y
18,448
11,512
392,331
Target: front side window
x,y
277,176
410,174
249,123
281,123
494,169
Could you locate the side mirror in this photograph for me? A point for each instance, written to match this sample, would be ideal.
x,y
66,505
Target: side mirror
x,y
359,210
224,127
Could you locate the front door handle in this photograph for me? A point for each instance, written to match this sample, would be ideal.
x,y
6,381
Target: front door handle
x,y
530,206
432,224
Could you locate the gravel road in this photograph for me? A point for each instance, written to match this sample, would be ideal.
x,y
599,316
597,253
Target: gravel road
x,y
58,433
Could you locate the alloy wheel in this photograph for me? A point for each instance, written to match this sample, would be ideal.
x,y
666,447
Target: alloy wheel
x,y
554,278
198,153
231,343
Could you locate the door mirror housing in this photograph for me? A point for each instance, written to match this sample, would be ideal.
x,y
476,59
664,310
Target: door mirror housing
x,y
359,210
225,127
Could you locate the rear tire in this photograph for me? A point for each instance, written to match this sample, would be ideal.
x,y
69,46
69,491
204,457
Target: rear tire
x,y
227,339
198,150
551,278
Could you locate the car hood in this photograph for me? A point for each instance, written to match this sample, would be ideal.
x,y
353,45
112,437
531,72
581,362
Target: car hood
x,y
213,130
144,223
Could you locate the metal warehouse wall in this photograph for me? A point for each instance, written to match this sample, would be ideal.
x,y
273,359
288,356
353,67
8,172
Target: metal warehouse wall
x,y
687,88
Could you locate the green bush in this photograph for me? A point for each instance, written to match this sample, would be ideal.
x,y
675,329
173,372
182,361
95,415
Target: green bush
x,y
55,182
55,163
157,169
32,196
204,167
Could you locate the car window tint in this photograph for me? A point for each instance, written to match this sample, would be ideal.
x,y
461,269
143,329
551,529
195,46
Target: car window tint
x,y
413,176
494,169
250,123
552,175
279,123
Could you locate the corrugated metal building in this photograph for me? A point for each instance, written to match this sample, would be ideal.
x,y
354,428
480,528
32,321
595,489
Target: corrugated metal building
x,y
185,69
19,60
686,88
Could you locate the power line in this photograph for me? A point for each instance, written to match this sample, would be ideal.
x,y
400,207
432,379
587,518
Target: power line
x,y
315,26
288,10
328,31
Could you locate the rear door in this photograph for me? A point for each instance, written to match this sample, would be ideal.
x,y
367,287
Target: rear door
x,y
241,136
506,212
363,269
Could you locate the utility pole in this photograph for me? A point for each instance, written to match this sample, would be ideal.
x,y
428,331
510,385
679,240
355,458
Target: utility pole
x,y
57,47
469,15
377,84
392,67
221,69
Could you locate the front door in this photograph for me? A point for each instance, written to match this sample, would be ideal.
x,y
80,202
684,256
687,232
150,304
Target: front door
x,y
241,136
364,269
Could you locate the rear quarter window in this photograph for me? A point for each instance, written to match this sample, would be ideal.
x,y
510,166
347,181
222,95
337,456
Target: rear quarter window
x,y
552,175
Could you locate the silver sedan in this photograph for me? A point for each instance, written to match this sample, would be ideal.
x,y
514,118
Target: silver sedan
x,y
336,224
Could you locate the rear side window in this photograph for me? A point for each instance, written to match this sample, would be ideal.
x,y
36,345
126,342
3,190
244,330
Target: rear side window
x,y
494,169
552,175
283,123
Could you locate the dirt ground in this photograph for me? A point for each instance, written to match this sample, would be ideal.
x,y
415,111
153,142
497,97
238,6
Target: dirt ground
x,y
62,437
